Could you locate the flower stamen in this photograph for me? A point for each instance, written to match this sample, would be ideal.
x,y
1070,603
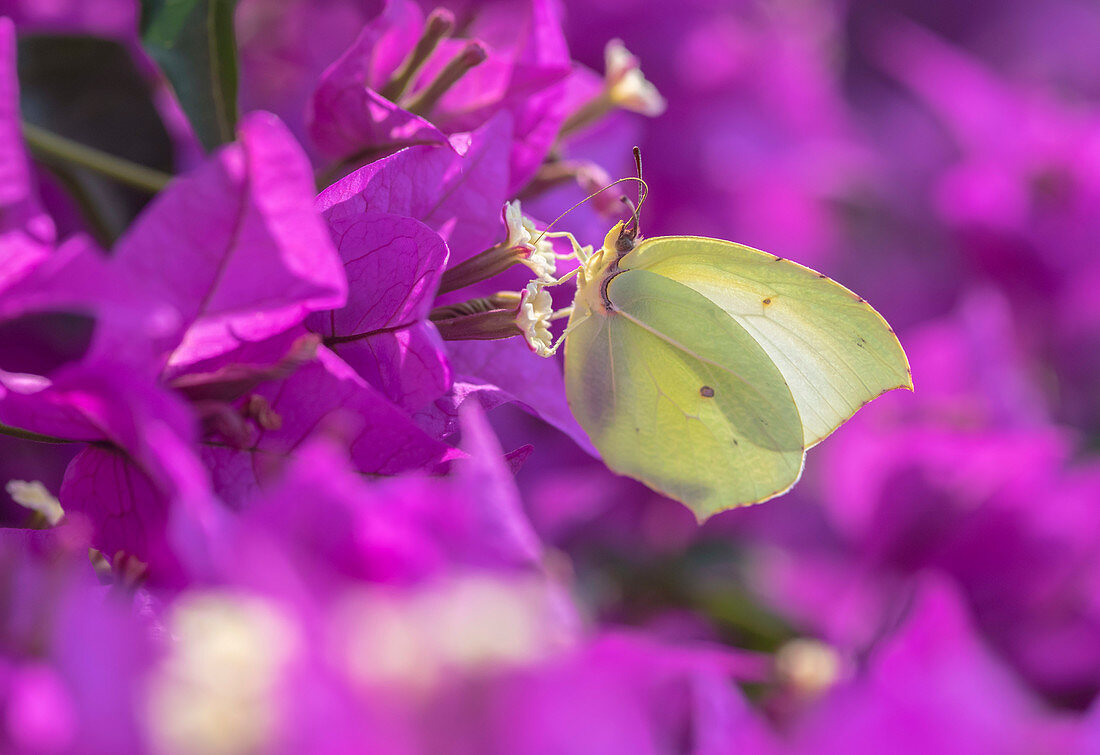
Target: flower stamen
x,y
422,103
440,24
524,245
505,314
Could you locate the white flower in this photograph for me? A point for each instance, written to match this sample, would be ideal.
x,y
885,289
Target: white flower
x,y
627,87
533,318
540,258
519,233
34,496
537,255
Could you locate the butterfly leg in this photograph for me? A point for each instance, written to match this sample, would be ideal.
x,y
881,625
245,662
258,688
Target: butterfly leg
x,y
563,279
559,314
580,253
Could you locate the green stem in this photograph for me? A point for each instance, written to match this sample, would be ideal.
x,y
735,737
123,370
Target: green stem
x,y
53,146
421,103
589,113
16,432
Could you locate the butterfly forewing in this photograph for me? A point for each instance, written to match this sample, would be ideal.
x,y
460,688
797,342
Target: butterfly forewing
x,y
835,352
675,393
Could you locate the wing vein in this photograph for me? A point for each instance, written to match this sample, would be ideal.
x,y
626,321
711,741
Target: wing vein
x,y
721,367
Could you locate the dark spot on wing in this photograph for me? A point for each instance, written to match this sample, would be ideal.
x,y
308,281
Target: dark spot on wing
x,y
767,301
861,341
861,300
735,441
778,258
822,275
706,392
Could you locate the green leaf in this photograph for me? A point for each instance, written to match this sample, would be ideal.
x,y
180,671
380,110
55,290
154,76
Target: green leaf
x,y
90,90
193,42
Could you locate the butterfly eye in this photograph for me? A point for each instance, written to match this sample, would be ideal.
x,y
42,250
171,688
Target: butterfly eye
x,y
625,242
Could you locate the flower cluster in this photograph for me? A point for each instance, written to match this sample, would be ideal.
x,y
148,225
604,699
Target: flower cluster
x,y
290,399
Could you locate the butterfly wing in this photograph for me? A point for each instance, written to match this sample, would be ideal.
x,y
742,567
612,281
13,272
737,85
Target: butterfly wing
x,y
676,394
835,352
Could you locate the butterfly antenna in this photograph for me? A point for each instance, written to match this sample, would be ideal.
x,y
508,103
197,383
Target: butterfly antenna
x,y
590,196
633,226
643,188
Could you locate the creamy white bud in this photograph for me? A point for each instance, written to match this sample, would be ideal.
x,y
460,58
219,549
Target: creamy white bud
x,y
807,665
34,496
626,86
519,235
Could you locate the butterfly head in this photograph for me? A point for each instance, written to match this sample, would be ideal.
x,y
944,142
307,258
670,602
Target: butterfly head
x,y
625,241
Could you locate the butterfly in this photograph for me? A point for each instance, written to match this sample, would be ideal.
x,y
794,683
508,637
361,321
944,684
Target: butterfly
x,y
706,369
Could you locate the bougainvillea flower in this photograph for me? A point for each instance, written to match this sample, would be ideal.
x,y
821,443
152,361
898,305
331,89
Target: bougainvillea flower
x,y
244,360
951,481
457,196
507,371
144,472
141,466
626,691
26,231
215,295
438,623
450,562
452,195
393,266
348,116
1020,201
929,687
404,82
326,394
741,83
64,630
399,530
291,557
1028,180
283,50
259,260
77,279
524,74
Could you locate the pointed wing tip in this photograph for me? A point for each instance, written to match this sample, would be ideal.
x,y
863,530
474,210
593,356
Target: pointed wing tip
x,y
904,385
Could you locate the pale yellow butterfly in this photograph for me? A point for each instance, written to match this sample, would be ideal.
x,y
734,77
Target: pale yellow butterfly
x,y
705,369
